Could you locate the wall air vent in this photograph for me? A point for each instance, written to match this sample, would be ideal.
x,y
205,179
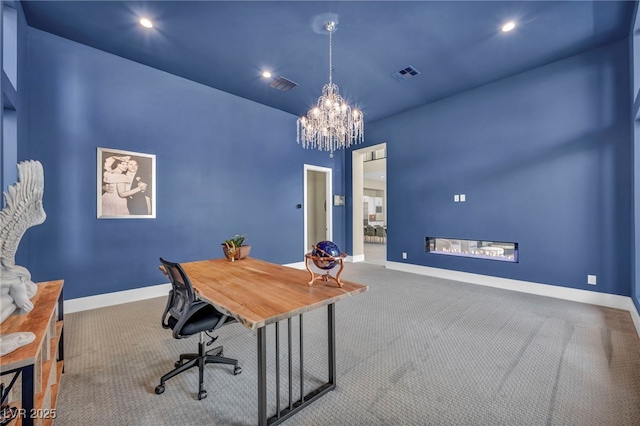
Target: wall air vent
x,y
405,73
282,84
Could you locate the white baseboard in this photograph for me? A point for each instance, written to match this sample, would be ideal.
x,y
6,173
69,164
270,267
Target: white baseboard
x,y
351,259
573,294
116,298
635,317
126,296
576,295
297,265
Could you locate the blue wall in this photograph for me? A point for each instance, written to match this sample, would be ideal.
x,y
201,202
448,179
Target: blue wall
x,y
634,54
14,99
543,158
225,166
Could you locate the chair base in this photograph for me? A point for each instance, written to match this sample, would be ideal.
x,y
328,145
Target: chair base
x,y
202,358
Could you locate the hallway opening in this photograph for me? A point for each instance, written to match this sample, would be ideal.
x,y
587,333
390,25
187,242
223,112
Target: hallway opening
x,y
370,215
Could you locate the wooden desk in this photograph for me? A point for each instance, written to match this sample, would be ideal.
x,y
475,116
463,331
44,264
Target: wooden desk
x,y
259,293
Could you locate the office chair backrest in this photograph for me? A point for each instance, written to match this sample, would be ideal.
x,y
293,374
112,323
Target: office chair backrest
x,y
182,295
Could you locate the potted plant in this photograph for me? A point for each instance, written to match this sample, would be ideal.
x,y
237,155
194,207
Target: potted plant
x,y
235,248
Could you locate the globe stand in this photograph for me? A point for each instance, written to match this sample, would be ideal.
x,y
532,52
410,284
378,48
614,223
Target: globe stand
x,y
326,258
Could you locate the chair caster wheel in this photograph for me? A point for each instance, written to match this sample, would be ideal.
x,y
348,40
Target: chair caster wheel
x,y
237,370
202,394
177,364
159,389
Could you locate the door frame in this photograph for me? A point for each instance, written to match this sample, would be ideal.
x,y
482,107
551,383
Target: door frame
x,y
329,190
357,189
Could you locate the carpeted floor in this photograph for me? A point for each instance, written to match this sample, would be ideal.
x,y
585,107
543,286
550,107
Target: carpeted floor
x,y
413,350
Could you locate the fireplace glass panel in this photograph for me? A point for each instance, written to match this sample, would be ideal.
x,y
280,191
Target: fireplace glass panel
x,y
491,250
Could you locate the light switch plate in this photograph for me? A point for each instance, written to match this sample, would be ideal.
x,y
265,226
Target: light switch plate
x,y
456,198
463,198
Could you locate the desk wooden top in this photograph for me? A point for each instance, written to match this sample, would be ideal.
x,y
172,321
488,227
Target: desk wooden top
x,y
258,293
36,321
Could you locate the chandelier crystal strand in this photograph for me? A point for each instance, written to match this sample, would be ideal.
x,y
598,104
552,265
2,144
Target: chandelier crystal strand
x,y
331,124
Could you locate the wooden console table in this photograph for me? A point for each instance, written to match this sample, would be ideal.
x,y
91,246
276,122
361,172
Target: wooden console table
x,y
39,363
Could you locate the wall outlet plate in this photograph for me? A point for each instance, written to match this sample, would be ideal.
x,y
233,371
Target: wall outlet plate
x,y
463,198
456,198
592,279
404,255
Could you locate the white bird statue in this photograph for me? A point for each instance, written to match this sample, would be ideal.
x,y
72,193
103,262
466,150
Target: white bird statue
x,y
23,209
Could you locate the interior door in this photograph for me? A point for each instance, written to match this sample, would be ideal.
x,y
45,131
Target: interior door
x,y
317,213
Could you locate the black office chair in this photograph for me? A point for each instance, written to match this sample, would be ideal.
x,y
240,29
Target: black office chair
x,y
186,316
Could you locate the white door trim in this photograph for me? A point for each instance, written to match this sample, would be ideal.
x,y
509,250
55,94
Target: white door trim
x,y
357,189
329,186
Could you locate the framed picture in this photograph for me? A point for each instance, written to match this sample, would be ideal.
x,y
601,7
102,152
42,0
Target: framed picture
x,y
126,184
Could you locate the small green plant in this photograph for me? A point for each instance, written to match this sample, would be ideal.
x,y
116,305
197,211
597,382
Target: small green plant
x,y
236,241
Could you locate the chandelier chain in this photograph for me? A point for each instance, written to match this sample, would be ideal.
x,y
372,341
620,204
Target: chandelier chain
x,y
330,28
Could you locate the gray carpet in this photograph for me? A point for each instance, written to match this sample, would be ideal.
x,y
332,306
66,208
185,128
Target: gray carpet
x,y
413,350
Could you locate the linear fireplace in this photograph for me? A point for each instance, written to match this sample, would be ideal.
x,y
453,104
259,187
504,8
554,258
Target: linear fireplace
x,y
491,250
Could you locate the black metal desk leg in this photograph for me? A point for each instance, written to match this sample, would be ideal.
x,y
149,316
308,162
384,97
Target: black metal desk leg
x,y
277,369
61,318
290,365
331,337
262,376
301,362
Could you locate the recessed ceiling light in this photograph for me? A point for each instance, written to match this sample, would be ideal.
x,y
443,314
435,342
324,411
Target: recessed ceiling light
x,y
266,74
508,26
146,23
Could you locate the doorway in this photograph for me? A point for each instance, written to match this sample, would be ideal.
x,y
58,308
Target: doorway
x,y
370,204
318,212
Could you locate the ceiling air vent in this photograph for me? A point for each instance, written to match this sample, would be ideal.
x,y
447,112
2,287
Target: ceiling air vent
x,y
405,74
282,84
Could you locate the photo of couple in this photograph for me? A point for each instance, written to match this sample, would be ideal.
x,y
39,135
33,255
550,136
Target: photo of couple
x,y
126,184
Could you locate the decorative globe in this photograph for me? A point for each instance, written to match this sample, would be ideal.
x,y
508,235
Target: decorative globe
x,y
327,249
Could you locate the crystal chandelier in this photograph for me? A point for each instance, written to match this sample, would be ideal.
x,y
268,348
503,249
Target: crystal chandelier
x,y
331,124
